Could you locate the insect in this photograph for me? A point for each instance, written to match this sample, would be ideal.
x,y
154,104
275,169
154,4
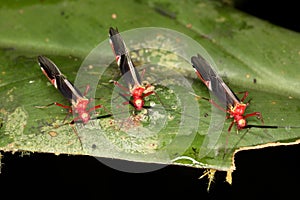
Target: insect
x,y
138,90
80,104
235,106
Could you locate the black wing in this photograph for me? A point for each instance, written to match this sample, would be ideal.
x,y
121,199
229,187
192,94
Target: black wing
x,y
67,89
213,82
60,82
48,68
123,59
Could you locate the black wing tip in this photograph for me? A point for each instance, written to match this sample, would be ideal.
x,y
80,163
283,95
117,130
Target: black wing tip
x,y
48,66
113,31
197,57
44,60
193,60
198,61
41,58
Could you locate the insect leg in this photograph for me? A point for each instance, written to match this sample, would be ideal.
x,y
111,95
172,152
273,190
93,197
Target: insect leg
x,y
257,114
245,95
86,90
57,104
121,86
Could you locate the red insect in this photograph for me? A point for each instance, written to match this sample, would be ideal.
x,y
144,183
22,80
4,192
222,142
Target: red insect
x,y
80,104
235,107
136,88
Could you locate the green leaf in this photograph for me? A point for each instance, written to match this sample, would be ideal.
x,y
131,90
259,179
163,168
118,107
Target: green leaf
x,y
244,48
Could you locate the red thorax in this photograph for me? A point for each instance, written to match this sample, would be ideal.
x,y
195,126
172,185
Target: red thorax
x,y
81,108
237,113
137,95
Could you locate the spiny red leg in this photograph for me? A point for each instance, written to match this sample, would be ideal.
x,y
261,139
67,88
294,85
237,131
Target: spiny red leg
x,y
63,106
60,105
86,90
95,108
121,86
57,104
215,104
143,73
98,107
126,103
257,114
245,95
149,93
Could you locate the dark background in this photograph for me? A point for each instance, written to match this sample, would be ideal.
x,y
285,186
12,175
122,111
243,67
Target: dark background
x,y
282,13
273,171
